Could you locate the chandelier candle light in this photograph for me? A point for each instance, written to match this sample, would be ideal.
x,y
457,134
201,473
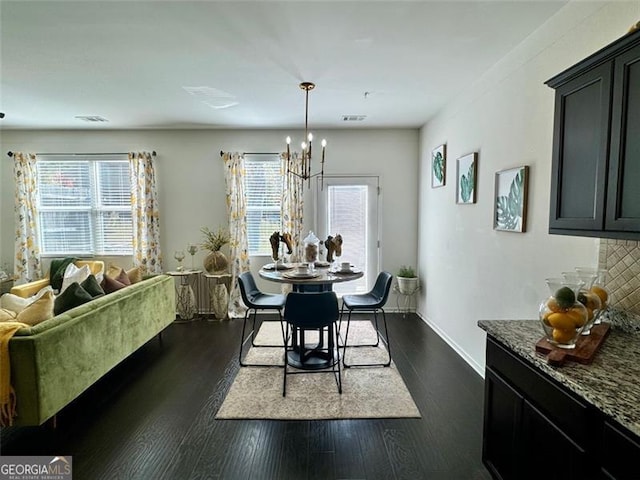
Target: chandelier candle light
x,y
305,170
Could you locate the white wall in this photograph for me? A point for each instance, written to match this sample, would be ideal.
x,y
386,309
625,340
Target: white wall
x,y
473,272
191,182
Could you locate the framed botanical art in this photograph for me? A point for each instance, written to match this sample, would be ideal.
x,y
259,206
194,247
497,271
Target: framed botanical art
x,y
466,178
439,166
510,204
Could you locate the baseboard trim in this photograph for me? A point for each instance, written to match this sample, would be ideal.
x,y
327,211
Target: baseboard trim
x,y
457,348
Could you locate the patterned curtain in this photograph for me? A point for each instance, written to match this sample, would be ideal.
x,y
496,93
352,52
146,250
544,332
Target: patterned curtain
x,y
144,212
27,253
292,209
234,173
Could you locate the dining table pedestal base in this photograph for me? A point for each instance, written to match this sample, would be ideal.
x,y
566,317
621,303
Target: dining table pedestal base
x,y
313,359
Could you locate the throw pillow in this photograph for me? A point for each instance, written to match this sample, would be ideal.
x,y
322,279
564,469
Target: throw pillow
x,y
113,271
123,278
57,269
92,287
74,274
110,285
14,302
73,296
17,303
7,315
134,275
38,311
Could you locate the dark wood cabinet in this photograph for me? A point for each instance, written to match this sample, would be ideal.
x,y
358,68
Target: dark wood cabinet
x,y
534,427
596,144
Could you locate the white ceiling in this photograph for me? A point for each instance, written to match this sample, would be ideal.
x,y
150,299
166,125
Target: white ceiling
x,y
129,61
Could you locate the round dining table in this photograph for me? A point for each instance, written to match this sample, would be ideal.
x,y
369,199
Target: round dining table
x,y
319,279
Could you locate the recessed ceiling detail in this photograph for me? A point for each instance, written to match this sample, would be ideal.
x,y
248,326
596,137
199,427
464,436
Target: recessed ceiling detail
x,y
212,97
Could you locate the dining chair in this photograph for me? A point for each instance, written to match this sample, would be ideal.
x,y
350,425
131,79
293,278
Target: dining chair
x,y
372,301
256,300
312,311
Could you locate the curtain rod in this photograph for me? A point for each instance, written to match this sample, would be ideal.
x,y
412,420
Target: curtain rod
x,y
254,153
83,154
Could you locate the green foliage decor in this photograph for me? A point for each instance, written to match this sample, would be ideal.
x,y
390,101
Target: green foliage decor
x,y
438,166
466,184
509,208
214,240
406,272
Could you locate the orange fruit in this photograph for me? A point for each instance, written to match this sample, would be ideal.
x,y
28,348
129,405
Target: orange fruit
x,y
602,293
552,304
563,336
577,317
562,320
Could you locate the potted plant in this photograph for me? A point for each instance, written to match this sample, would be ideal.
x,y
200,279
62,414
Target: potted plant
x,y
215,261
407,280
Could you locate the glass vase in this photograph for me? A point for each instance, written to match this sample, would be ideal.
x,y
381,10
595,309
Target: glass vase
x,y
585,296
598,287
562,316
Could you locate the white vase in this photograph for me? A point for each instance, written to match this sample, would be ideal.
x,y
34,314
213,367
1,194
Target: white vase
x,y
407,285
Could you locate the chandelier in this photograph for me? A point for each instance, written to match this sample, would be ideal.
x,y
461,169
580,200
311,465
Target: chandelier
x,y
303,170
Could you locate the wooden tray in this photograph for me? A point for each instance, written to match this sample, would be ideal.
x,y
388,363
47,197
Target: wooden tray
x,y
586,347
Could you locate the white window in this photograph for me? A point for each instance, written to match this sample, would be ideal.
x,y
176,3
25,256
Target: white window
x,y
84,205
263,190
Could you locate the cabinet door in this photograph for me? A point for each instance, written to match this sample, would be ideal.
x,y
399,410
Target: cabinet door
x,y
623,199
620,454
580,149
547,452
502,410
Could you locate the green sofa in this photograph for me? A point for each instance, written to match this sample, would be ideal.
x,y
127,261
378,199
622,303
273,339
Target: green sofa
x,y
55,361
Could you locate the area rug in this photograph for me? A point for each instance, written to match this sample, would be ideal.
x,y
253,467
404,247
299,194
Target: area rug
x,y
375,392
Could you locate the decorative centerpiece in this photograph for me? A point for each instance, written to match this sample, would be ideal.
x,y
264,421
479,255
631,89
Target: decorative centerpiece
x,y
334,247
215,262
311,248
407,280
562,316
275,240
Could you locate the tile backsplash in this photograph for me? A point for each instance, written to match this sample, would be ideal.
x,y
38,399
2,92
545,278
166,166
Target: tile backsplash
x,y
622,259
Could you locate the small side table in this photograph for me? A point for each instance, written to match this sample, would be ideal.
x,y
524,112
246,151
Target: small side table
x,y
186,299
404,298
6,284
219,285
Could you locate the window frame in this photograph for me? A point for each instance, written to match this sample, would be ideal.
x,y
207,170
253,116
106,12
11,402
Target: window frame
x,y
264,246
96,209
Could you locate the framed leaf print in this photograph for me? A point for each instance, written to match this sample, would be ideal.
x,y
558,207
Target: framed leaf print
x,y
439,166
466,178
510,205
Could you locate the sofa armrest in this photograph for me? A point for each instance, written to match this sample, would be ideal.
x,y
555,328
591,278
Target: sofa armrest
x,y
27,289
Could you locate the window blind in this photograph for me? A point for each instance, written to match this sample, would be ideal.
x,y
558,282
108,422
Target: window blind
x,y
84,205
263,190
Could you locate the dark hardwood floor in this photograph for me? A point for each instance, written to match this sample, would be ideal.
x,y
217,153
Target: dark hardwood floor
x,y
152,417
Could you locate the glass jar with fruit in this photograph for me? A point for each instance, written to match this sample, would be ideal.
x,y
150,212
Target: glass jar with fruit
x,y
562,316
585,296
597,287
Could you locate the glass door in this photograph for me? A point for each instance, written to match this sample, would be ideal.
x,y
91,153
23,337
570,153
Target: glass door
x,y
349,206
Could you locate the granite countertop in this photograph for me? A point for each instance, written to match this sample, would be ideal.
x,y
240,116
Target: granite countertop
x,y
611,382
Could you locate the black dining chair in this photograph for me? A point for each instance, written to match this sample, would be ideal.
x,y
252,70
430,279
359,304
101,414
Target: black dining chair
x,y
256,300
312,311
373,301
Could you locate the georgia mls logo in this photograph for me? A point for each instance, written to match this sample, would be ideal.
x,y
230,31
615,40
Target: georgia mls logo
x,y
35,468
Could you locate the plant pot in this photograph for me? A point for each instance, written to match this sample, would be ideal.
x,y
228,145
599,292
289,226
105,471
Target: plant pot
x,y
216,262
407,285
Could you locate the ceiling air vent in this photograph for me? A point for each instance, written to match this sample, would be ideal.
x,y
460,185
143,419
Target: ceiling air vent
x,y
353,118
91,118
